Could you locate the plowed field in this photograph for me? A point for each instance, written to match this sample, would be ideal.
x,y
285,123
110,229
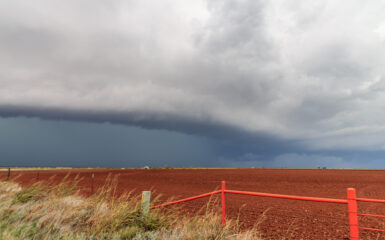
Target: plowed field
x,y
276,218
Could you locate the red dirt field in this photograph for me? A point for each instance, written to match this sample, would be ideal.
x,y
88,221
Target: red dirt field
x,y
282,219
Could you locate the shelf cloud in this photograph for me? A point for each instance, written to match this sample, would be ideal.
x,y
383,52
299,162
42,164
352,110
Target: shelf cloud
x,y
298,73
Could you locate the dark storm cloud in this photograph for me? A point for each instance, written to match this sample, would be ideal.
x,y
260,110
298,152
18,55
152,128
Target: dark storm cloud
x,y
230,140
293,74
36,142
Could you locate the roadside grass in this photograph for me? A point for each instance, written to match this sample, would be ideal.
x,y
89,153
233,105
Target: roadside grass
x,y
47,211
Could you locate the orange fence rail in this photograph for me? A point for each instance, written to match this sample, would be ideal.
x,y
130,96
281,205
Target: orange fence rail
x,y
351,201
185,199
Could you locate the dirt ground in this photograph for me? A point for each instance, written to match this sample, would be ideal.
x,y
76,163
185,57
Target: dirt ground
x,y
276,218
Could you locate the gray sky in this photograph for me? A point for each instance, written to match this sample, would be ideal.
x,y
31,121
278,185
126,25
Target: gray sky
x,y
244,83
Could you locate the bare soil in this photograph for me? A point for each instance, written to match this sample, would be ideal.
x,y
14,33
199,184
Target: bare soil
x,y
276,218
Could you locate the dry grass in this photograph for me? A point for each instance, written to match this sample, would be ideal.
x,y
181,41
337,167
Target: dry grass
x,y
60,212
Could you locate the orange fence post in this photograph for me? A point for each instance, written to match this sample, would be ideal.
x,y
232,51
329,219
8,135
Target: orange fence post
x,y
352,210
223,204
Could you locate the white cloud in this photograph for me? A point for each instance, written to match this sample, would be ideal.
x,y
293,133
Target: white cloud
x,y
305,70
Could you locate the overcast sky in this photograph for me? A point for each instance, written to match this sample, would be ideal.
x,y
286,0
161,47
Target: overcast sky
x,y
281,83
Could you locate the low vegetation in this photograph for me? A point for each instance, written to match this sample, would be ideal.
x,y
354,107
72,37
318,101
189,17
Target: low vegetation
x,y
47,212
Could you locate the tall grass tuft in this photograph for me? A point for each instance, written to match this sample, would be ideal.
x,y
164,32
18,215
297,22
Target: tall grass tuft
x,y
47,211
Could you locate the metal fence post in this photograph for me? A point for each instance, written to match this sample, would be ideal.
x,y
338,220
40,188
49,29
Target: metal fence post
x,y
146,198
223,204
352,210
92,183
9,174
